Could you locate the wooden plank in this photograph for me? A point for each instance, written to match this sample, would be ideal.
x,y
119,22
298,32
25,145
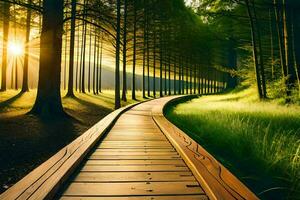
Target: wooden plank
x,y
124,146
133,177
136,153
95,157
135,150
135,168
134,162
137,138
178,197
165,142
135,188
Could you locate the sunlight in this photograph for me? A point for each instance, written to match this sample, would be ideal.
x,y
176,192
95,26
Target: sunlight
x,y
15,48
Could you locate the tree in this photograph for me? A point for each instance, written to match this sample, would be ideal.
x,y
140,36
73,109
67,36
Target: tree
x,y
70,92
48,100
6,17
117,70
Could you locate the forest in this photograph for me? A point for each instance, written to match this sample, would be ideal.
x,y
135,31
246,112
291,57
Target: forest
x,y
66,64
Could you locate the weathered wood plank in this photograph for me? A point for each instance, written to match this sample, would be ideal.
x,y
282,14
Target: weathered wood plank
x,y
135,168
134,162
134,150
178,197
134,153
95,157
122,189
134,177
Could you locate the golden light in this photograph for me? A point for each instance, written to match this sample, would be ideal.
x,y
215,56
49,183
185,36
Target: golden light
x,y
15,48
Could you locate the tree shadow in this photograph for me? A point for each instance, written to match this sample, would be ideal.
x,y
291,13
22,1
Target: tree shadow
x,y
11,100
87,112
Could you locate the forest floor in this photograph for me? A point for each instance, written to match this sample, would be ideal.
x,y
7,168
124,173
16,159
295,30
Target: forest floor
x,y
258,141
26,141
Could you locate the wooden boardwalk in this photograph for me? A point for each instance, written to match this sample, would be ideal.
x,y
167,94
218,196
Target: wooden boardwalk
x,y
134,153
134,160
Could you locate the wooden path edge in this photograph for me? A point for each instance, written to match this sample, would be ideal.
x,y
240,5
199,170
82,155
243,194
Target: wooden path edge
x,y
45,180
217,181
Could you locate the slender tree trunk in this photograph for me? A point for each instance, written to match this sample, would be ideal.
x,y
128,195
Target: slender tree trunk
x,y
272,45
77,60
101,63
26,56
134,50
175,89
117,70
169,71
160,66
83,49
288,50
280,35
65,56
95,71
48,100
124,90
261,57
97,61
154,64
255,54
90,58
144,50
70,92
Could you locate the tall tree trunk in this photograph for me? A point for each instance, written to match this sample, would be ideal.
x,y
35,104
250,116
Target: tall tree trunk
x,y
77,74
288,50
117,70
160,65
70,92
272,44
169,72
90,58
95,66
175,89
154,64
26,56
48,100
255,53
134,50
83,49
144,50
261,57
280,35
101,62
65,57
124,90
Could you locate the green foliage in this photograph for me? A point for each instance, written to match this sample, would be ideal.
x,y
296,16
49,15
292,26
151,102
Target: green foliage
x,y
258,142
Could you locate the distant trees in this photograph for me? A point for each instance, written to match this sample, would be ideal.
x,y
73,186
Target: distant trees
x,y
273,33
162,41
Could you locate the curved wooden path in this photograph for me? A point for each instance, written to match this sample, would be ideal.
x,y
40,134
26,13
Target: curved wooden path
x,y
133,154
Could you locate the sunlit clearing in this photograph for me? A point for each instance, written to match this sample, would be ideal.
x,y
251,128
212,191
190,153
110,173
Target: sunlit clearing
x,y
15,49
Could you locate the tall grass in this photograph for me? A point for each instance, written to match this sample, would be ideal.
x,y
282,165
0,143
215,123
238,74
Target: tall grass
x,y
258,142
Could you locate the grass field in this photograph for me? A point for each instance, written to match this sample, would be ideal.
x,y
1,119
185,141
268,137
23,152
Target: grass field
x,y
258,141
26,140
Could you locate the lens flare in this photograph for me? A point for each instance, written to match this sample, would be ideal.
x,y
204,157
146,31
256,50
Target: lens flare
x,y
15,49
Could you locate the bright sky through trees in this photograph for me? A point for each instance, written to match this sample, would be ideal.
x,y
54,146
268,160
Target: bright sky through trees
x,y
15,48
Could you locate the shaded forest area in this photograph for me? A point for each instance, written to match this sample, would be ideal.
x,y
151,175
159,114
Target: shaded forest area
x,y
265,42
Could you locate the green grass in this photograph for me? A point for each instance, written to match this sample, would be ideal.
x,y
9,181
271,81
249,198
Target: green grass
x,y
258,141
